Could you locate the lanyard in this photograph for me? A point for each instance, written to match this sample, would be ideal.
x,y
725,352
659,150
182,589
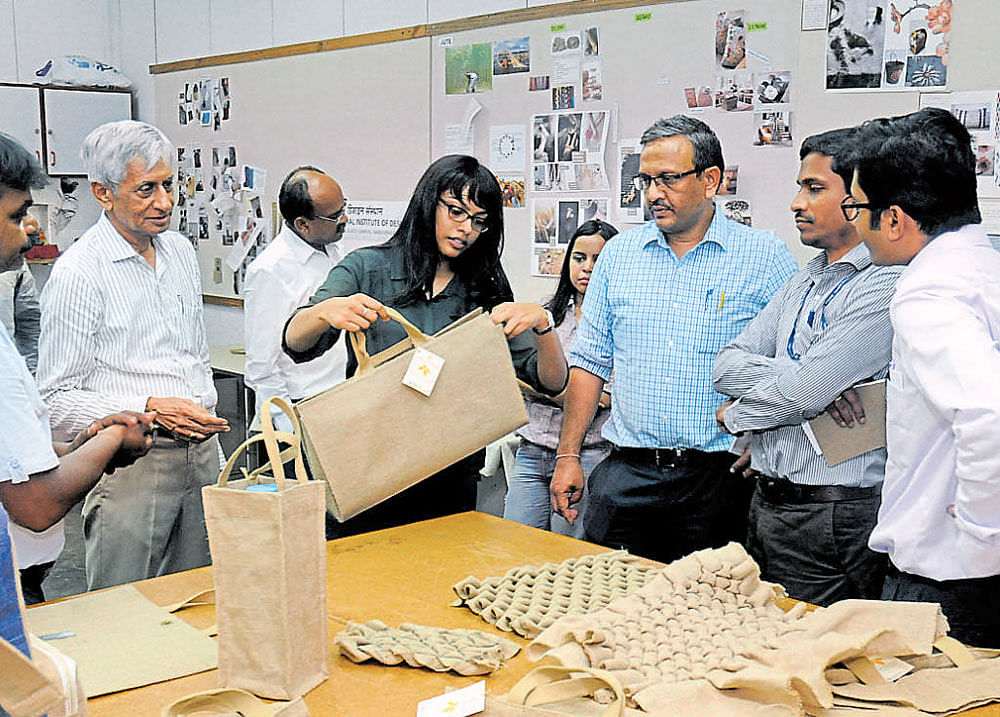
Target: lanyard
x,y
792,354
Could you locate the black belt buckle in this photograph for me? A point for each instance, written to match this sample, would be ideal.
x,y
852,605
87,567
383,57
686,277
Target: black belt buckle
x,y
776,490
670,457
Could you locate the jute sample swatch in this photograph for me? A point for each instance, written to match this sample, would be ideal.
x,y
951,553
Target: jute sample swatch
x,y
122,640
691,618
706,636
528,599
467,652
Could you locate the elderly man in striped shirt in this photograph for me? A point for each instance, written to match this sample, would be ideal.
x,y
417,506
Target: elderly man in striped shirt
x,y
123,329
826,329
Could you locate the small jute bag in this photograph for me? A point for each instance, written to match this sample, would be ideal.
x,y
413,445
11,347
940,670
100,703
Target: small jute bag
x,y
269,559
371,436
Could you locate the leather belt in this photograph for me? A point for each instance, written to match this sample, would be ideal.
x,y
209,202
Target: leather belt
x,y
782,490
660,457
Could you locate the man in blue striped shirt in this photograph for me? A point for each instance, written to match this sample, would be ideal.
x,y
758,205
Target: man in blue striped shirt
x,y
664,298
824,331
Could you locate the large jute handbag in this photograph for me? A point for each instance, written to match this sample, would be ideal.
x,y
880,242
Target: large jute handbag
x,y
269,559
371,436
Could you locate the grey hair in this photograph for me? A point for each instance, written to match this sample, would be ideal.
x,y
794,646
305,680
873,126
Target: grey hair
x,y
707,149
108,150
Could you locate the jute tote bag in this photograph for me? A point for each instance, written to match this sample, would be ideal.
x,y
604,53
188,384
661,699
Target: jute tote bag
x,y
269,559
371,436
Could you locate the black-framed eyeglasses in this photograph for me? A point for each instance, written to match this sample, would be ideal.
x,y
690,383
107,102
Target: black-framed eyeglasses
x,y
851,209
664,180
335,217
458,214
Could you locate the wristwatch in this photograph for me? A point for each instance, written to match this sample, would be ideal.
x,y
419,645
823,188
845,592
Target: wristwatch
x,y
551,325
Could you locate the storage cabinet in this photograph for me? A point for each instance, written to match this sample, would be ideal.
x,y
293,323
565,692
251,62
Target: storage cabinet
x,y
52,122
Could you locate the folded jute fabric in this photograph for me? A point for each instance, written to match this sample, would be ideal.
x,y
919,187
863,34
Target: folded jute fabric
x,y
529,598
467,652
706,636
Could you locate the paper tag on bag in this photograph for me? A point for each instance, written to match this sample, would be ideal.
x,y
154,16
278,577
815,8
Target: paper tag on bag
x,y
891,668
423,371
457,703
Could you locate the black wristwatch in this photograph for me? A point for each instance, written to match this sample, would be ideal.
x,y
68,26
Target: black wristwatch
x,y
551,325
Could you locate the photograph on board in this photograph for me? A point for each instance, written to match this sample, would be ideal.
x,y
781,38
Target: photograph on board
x,y
511,56
544,145
730,41
544,211
468,69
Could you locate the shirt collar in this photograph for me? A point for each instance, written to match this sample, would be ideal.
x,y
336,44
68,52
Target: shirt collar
x,y
717,233
858,257
301,250
116,246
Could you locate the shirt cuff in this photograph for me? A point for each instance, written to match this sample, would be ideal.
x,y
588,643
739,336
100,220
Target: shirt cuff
x,y
599,370
731,418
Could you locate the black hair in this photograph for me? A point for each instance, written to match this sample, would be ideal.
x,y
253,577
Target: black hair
x,y
478,267
706,145
565,289
838,145
922,162
19,170
294,199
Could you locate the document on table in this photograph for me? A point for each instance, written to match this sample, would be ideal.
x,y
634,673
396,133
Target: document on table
x,y
838,444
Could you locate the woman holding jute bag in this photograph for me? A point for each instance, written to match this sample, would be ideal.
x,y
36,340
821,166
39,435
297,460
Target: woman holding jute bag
x,y
442,262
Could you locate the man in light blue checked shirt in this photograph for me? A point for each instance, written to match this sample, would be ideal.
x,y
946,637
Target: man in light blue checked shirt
x,y
826,330
663,300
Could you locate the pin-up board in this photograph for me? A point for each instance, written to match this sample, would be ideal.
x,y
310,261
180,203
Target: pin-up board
x,y
375,116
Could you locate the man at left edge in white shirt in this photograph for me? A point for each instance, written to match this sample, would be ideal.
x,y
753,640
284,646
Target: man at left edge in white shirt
x,y
281,279
123,329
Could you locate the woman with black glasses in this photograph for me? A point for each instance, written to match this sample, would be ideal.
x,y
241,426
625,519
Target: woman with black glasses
x,y
442,262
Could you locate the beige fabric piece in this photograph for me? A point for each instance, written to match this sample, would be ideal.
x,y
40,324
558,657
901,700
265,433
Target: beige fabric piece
x,y
528,599
226,701
941,691
708,620
692,618
467,652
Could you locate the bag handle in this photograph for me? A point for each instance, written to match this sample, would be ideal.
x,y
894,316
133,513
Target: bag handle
x,y
553,683
418,338
270,438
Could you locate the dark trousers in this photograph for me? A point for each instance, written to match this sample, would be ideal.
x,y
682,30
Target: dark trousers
x,y
663,512
972,606
31,582
817,550
452,490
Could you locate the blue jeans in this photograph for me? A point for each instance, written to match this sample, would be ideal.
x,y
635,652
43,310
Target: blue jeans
x,y
528,500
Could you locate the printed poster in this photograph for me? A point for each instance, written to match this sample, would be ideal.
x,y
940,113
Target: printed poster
x,y
555,221
568,152
978,111
888,44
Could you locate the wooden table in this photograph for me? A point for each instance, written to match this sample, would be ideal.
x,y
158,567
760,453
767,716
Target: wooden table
x,y
399,575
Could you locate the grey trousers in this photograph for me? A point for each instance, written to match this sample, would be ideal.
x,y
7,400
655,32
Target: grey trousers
x,y
147,519
818,551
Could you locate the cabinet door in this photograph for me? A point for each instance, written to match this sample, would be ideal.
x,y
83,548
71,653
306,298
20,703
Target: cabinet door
x,y
69,117
20,116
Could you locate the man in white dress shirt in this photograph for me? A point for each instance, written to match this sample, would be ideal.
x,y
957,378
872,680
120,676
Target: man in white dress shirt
x,y
282,279
123,329
914,203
